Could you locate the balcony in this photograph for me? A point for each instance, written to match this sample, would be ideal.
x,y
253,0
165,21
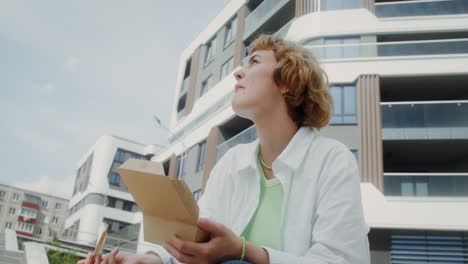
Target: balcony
x,y
390,49
425,120
421,8
246,136
218,106
185,83
260,15
426,184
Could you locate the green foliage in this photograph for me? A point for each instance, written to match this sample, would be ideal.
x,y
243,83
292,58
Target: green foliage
x,y
20,243
57,257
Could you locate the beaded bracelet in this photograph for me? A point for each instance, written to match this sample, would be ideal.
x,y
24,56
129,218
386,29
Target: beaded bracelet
x,y
243,248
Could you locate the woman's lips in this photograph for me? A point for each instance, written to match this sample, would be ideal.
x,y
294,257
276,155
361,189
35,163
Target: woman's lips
x,y
238,87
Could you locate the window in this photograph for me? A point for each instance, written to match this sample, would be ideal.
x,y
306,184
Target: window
x,y
15,196
12,211
123,225
114,179
201,156
181,103
414,186
111,202
28,213
226,68
231,29
336,48
136,156
127,206
206,85
210,50
197,194
120,155
40,217
115,225
421,186
58,206
181,168
340,4
54,220
44,204
37,230
7,225
2,194
344,104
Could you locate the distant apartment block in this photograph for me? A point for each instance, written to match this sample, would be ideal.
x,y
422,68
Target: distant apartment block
x,y
32,214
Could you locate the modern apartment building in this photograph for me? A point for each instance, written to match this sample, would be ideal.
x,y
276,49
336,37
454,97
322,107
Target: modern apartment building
x,y
32,214
101,197
398,73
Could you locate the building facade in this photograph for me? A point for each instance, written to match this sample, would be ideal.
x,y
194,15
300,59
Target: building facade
x,y
398,74
101,197
32,214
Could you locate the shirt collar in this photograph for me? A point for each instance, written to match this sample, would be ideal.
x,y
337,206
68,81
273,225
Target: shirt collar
x,y
291,156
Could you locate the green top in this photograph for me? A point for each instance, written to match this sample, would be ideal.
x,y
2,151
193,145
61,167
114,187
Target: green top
x,y
264,227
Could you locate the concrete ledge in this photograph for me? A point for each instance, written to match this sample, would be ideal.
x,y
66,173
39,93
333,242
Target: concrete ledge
x,y
11,242
35,253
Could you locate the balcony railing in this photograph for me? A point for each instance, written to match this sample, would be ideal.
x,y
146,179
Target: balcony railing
x,y
220,105
425,120
185,84
246,136
426,184
261,14
391,49
421,8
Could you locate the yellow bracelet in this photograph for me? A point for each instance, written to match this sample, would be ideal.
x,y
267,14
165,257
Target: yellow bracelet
x,y
243,248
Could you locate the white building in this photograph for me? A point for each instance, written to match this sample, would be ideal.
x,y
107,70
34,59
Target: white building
x,y
100,196
398,72
32,214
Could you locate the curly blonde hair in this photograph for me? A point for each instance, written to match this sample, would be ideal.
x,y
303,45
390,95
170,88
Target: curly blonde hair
x,y
308,98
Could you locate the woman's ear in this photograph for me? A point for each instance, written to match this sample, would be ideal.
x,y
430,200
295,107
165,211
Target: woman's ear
x,y
284,89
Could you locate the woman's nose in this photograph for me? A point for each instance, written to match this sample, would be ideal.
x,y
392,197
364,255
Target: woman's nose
x,y
239,74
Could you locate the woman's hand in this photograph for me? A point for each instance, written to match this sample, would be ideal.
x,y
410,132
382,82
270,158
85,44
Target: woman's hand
x,y
116,257
223,245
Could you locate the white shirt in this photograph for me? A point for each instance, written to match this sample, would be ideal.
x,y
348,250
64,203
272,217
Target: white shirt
x,y
322,216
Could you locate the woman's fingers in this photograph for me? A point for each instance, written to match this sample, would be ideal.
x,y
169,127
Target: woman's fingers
x,y
89,259
110,258
181,257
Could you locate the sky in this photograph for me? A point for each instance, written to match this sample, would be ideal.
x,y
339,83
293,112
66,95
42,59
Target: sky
x,y
71,71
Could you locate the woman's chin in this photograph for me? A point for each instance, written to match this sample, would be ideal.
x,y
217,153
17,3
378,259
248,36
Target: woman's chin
x,y
241,111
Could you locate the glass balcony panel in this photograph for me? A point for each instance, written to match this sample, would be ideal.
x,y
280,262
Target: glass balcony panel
x,y
421,8
261,14
332,51
426,186
246,136
429,120
425,115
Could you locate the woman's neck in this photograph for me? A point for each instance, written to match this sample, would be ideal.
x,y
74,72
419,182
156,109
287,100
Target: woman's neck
x,y
274,136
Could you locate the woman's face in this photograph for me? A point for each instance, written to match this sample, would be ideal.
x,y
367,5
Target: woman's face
x,y
256,93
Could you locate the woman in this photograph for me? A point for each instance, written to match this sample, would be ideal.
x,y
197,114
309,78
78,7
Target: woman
x,y
291,196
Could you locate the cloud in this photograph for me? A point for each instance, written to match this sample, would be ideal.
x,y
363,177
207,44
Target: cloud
x,y
72,63
47,88
62,187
